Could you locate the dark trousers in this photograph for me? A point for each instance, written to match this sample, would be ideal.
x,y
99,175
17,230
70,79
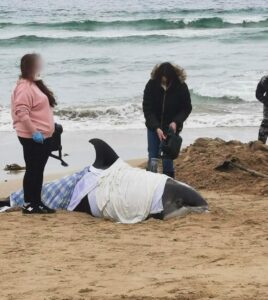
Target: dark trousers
x,y
263,131
153,150
36,157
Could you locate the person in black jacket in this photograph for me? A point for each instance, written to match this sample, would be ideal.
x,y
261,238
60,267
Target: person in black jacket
x,y
166,105
262,96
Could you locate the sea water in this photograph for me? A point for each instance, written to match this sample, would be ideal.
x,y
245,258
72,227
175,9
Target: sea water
x,y
99,55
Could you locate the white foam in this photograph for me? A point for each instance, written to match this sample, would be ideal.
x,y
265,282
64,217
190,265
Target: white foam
x,y
235,19
64,34
131,117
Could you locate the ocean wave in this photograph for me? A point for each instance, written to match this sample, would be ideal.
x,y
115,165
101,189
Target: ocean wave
x,y
21,39
143,24
93,112
207,112
126,112
261,35
132,38
34,39
216,22
198,98
196,11
225,111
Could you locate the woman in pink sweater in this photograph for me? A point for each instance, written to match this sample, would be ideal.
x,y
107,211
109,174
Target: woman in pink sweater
x,y
32,112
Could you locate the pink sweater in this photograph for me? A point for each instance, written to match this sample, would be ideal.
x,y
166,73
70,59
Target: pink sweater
x,y
30,110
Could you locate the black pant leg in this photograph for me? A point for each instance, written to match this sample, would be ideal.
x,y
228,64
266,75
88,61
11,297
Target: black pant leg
x,y
35,156
263,131
5,202
27,145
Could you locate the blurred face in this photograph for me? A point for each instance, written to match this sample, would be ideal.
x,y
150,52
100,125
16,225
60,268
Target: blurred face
x,y
164,81
38,67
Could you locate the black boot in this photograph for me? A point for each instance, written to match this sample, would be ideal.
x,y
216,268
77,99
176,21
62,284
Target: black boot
x,y
263,131
263,134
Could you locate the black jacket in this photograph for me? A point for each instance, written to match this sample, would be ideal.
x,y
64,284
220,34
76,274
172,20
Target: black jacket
x,y
162,107
262,91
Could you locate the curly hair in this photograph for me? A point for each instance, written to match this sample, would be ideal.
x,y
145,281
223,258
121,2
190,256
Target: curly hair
x,y
171,71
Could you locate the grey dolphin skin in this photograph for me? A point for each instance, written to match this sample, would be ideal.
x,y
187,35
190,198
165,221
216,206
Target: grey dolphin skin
x,y
179,198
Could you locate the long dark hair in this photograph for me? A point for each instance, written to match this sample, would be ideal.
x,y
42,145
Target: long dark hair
x,y
167,70
27,65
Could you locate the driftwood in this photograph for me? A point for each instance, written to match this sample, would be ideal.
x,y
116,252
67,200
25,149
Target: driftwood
x,y
234,163
14,168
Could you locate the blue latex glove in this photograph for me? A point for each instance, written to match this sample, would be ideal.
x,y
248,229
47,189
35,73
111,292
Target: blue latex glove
x,y
38,137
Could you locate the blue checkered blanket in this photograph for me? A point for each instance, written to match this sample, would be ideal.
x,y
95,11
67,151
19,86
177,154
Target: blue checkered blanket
x,y
56,194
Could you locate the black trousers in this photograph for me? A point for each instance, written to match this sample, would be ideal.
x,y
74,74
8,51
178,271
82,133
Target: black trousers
x,y
36,157
263,131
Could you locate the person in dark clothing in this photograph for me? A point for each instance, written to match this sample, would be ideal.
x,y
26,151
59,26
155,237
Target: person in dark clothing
x,y
166,105
262,96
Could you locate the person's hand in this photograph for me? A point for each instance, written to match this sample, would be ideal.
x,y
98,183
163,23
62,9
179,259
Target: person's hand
x,y
160,134
173,126
38,137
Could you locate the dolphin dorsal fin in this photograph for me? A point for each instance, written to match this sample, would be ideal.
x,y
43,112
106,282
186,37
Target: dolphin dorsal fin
x,y
105,155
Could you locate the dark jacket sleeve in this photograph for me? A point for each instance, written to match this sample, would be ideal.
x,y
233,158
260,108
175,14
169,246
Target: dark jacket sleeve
x,y
147,105
186,107
262,90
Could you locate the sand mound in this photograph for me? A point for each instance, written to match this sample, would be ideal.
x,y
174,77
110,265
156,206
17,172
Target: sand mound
x,y
196,166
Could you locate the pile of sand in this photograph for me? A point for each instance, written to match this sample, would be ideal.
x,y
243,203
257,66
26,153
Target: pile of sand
x,y
196,166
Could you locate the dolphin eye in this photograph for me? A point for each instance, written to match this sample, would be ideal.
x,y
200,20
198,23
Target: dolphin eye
x,y
179,202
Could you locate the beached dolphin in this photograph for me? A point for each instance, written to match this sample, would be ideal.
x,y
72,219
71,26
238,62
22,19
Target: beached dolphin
x,y
178,198
128,191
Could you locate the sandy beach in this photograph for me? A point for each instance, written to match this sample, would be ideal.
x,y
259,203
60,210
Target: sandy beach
x,y
109,65
218,255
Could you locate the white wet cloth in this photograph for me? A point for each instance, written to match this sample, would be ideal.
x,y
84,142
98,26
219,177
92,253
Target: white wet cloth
x,y
86,186
125,194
